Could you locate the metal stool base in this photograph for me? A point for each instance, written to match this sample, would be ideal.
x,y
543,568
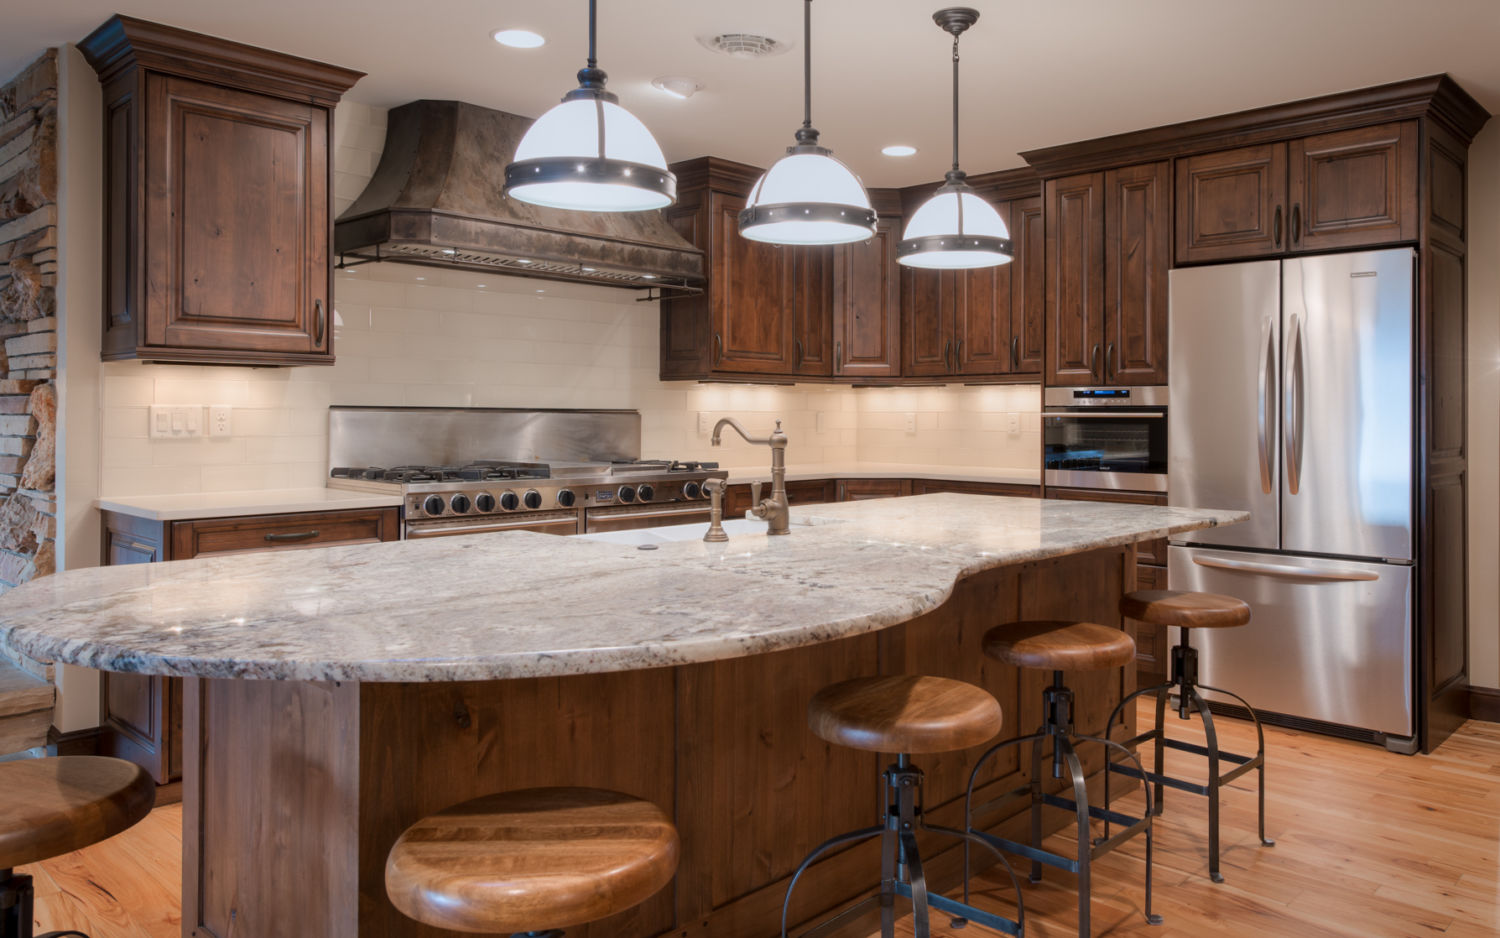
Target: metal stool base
x,y
1184,685
16,908
1058,727
901,871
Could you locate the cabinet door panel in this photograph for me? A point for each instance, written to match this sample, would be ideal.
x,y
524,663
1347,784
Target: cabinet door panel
x,y
1136,260
867,306
928,301
752,325
809,293
1354,187
1075,279
1028,279
982,324
854,490
237,184
1228,204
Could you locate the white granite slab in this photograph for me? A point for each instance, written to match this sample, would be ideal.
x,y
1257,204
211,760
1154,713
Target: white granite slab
x,y
195,505
517,604
800,472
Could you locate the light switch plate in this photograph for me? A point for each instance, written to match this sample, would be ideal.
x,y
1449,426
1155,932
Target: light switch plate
x,y
821,422
705,425
911,423
175,421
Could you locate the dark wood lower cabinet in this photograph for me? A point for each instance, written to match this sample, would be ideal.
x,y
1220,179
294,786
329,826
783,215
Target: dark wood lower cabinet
x,y
140,715
853,490
934,486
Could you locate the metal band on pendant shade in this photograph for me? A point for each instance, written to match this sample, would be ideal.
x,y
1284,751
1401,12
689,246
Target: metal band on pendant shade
x,y
808,220
591,182
950,244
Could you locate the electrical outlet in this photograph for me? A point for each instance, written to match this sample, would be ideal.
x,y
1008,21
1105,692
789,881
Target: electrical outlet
x,y
705,425
911,423
175,422
220,422
1013,424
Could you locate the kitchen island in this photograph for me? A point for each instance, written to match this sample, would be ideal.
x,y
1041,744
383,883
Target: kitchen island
x,y
336,695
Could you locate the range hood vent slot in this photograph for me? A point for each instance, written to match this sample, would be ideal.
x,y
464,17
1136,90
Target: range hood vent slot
x,y
437,199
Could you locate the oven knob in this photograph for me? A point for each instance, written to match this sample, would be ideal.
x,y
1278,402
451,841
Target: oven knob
x,y
626,494
433,505
566,498
645,493
509,501
533,499
690,490
459,504
484,501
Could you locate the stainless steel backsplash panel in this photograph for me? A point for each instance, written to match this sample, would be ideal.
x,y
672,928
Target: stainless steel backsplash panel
x,y
399,436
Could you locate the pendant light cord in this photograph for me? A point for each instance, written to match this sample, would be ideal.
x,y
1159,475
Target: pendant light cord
x,y
806,65
955,103
594,59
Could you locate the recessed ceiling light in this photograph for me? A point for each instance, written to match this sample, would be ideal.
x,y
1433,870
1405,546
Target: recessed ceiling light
x,y
541,291
421,278
481,284
519,38
898,149
676,86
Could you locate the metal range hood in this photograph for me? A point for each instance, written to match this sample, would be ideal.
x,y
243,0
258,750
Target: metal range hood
x,y
437,199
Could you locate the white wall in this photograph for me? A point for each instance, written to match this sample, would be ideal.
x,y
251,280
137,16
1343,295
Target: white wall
x,y
412,335
1484,407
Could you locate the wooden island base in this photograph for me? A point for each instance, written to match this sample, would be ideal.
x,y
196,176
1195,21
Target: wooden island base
x,y
295,791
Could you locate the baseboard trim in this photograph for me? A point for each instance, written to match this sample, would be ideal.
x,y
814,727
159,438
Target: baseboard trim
x,y
85,742
1484,704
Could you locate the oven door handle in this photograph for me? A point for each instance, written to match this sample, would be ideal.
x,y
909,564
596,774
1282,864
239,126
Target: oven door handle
x,y
415,533
1101,414
690,509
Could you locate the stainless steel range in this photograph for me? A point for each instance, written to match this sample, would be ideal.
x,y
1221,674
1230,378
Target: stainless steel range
x,y
473,470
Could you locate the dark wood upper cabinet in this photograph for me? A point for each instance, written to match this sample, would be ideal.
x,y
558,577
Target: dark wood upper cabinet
x,y
809,295
929,305
1075,279
1231,204
1353,188
753,325
867,305
1028,281
1137,256
982,327
218,204
1346,188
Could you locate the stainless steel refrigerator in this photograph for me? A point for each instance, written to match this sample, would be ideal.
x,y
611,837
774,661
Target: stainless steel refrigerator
x,y
1292,397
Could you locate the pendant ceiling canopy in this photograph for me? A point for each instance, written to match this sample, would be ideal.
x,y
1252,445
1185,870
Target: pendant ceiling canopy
x,y
808,196
955,228
590,154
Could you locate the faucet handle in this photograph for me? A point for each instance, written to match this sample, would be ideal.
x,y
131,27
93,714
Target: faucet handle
x,y
755,493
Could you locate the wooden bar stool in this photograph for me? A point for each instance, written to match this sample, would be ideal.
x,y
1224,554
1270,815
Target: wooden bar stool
x,y
1188,611
906,714
55,806
1059,646
538,858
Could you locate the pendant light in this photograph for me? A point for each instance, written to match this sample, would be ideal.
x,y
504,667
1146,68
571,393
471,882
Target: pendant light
x,y
955,228
807,196
589,154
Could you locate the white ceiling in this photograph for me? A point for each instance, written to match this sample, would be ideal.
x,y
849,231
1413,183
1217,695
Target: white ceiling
x,y
1035,74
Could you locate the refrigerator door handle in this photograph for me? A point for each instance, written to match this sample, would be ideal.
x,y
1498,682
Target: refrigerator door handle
x,y
1267,394
1292,420
1290,573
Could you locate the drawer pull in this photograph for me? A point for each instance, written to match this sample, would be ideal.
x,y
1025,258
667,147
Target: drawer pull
x,y
283,537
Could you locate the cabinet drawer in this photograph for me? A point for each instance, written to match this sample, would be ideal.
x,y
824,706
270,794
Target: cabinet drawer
x,y
282,532
853,490
933,486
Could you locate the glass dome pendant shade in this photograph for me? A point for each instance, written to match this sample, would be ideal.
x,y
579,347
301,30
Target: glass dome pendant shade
x,y
955,229
589,154
808,196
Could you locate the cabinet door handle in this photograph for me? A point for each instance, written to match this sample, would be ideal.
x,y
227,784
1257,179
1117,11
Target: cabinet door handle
x,y
958,354
320,322
1109,361
838,357
948,354
285,537
1094,361
1015,352
797,365
718,355
1297,223
1276,227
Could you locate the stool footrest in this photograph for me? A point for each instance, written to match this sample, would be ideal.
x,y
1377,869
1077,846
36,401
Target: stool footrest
x,y
954,907
1035,854
1096,812
1196,749
1245,764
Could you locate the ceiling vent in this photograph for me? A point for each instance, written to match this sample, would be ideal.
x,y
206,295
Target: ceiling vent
x,y
745,45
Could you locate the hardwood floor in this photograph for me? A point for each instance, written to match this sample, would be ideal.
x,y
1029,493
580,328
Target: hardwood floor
x,y
1367,844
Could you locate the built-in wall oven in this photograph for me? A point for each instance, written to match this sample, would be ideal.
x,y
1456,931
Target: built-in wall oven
x,y
1105,438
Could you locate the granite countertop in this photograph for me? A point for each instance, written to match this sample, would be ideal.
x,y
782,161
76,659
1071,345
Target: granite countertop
x,y
868,470
197,505
511,605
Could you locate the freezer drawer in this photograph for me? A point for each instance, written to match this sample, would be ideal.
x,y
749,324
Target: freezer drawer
x,y
1328,640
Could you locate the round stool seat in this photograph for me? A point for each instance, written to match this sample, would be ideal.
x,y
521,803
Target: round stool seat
x,y
1053,645
58,805
1185,610
531,859
907,713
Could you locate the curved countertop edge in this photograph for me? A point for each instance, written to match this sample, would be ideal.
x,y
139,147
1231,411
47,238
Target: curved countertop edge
x,y
857,523
740,475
